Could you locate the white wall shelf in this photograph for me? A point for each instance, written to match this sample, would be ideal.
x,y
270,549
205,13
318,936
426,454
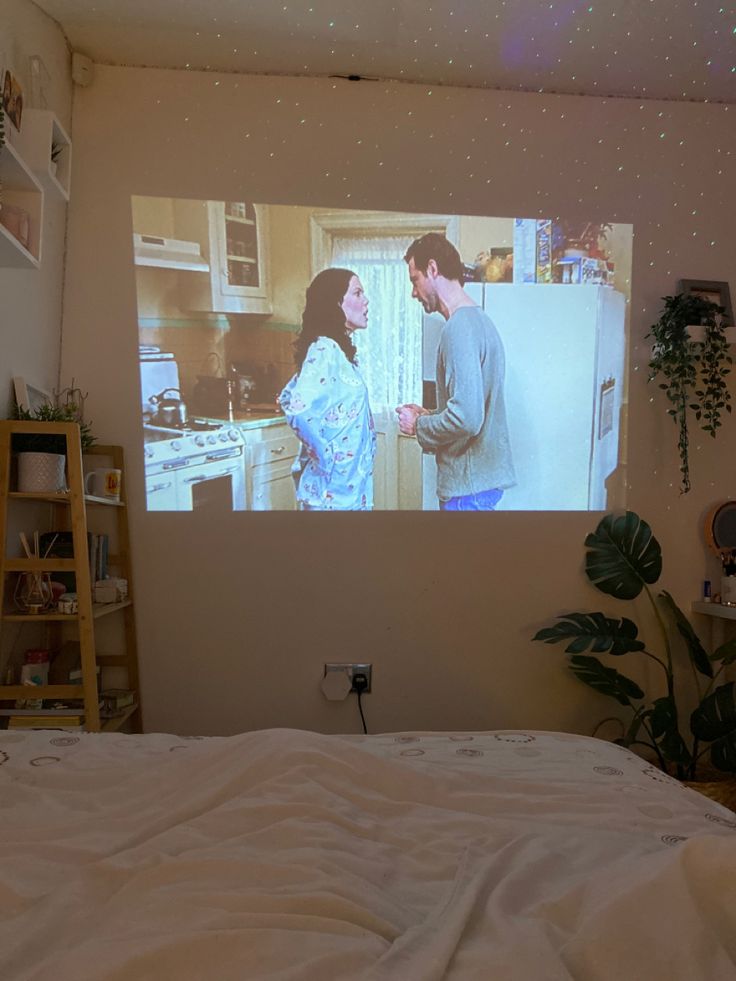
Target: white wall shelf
x,y
20,189
718,614
715,610
40,134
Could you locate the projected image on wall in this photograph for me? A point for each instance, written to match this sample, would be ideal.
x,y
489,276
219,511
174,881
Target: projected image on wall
x,y
302,358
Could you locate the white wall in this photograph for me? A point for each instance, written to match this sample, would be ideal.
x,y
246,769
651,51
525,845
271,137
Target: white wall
x,y
236,616
31,300
30,312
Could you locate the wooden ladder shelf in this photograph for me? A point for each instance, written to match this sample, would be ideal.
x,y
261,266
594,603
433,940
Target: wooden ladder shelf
x,y
69,511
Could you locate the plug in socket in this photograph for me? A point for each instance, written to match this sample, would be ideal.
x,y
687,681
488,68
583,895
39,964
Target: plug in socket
x,y
351,670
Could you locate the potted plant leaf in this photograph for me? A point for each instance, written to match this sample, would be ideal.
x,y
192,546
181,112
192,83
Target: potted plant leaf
x,y
692,371
623,560
42,455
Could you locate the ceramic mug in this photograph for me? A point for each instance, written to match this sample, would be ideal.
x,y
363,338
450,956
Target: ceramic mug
x,y
103,483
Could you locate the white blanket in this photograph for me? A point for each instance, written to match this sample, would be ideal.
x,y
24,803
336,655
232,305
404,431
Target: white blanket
x,y
291,855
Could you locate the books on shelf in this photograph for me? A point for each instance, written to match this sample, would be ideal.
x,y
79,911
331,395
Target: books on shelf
x,y
115,701
60,545
46,721
76,674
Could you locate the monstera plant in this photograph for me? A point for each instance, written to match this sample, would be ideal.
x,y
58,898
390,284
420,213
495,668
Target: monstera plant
x,y
623,560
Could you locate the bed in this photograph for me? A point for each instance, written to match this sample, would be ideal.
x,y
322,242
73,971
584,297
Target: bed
x,y
284,854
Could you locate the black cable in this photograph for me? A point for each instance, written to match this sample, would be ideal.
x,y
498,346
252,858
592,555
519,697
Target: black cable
x,y
360,684
362,717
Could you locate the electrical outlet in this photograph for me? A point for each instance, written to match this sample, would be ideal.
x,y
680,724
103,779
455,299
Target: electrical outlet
x,y
351,670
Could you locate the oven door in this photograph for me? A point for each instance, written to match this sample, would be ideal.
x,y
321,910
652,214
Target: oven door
x,y
162,492
215,482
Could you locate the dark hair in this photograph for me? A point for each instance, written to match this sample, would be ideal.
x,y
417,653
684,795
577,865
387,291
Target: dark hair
x,y
435,246
323,314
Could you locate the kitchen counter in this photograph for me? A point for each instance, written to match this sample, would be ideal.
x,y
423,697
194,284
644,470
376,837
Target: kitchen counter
x,y
254,419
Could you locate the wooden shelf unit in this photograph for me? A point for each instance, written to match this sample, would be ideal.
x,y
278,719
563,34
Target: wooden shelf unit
x,y
69,511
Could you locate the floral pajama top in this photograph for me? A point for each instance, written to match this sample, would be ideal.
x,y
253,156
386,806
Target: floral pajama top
x,y
326,404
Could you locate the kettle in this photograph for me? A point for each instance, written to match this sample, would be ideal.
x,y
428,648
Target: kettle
x,y
170,411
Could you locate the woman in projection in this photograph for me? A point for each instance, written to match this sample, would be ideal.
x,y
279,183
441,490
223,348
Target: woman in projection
x,y
326,402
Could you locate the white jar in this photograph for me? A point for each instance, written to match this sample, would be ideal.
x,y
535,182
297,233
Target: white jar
x,y
728,590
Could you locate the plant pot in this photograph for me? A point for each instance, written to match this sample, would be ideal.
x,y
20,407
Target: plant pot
x,y
41,472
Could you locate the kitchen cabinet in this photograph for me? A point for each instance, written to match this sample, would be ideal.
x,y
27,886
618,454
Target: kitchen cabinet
x,y
71,511
397,484
234,240
269,455
27,171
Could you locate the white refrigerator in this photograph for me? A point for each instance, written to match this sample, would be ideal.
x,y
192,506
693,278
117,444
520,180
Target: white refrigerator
x,y
565,380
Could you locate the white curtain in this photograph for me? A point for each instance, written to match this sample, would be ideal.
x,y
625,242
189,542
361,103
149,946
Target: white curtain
x,y
390,350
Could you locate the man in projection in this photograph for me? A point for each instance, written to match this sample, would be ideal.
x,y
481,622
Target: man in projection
x,y
467,433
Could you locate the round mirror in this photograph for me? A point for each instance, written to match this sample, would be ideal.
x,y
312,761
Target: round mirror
x,y
720,528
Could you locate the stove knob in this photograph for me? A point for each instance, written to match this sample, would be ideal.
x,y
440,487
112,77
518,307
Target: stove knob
x,y
233,434
199,440
175,444
223,438
211,440
149,452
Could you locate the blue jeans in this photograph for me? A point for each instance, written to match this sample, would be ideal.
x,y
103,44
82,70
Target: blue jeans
x,y
483,501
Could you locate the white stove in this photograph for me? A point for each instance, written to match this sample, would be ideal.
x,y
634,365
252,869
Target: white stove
x,y
192,466
164,444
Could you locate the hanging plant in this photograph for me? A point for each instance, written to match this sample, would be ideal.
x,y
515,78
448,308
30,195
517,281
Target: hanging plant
x,y
692,371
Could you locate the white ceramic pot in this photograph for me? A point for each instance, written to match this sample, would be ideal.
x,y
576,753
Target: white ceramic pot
x,y
41,472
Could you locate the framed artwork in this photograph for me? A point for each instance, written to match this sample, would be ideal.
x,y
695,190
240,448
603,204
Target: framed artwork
x,y
713,290
29,397
12,98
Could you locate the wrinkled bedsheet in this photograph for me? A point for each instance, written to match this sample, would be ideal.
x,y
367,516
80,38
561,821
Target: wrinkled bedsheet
x,y
282,854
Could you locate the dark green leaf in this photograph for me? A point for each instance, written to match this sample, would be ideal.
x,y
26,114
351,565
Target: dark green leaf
x,y
726,652
666,731
607,681
715,717
623,555
714,721
595,631
695,649
632,733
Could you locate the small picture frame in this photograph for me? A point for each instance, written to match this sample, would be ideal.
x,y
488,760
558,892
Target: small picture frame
x,y
12,98
713,290
28,397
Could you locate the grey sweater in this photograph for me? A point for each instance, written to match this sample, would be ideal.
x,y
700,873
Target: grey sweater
x,y
468,432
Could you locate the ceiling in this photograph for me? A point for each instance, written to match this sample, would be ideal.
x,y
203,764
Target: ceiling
x,y
654,49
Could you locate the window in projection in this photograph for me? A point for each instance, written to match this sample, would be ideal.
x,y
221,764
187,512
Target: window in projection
x,y
299,358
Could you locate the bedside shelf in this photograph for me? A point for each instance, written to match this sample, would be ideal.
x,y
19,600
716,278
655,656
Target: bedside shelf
x,y
715,610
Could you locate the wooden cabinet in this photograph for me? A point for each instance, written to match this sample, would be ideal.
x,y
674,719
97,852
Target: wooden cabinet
x,y
71,512
269,455
234,240
397,471
270,452
27,171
